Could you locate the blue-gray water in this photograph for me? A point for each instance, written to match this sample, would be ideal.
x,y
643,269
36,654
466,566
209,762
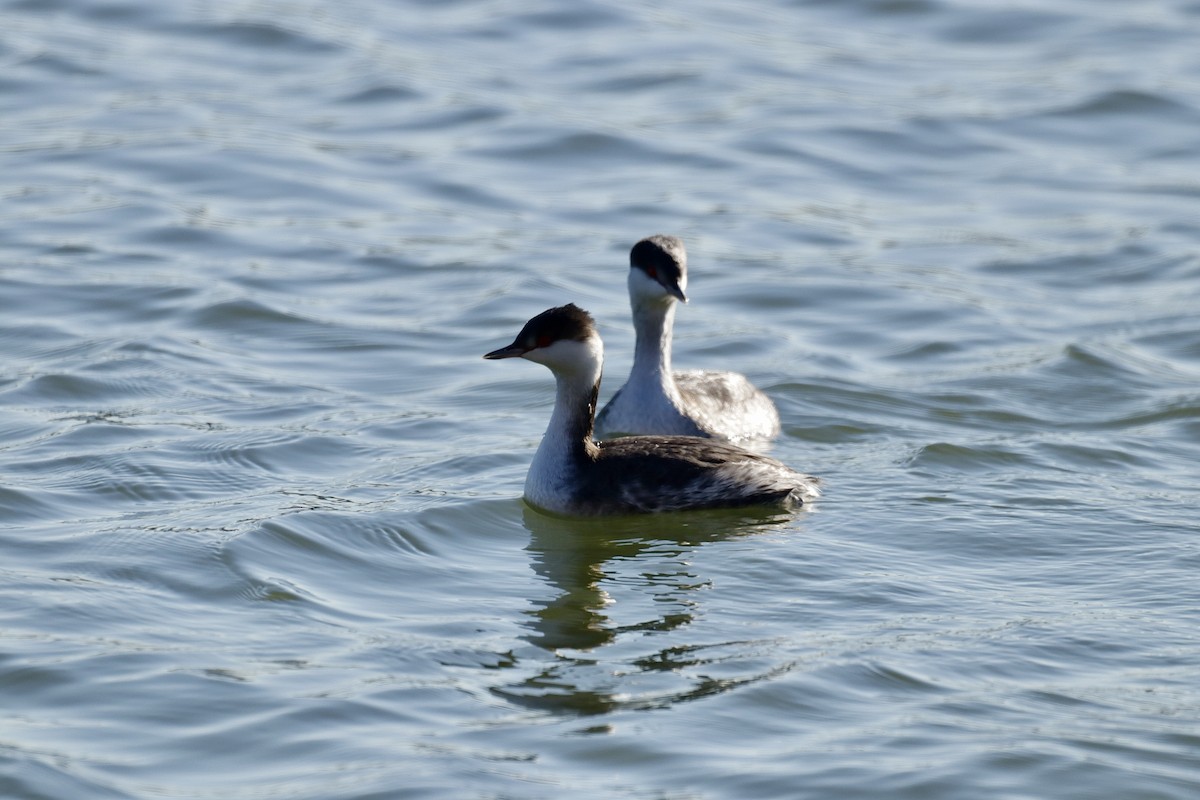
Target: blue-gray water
x,y
262,534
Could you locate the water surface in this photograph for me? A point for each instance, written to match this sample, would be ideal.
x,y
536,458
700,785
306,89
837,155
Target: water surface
x,y
259,494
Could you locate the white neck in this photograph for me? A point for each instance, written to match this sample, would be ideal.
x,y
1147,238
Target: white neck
x,y
653,325
568,439
574,407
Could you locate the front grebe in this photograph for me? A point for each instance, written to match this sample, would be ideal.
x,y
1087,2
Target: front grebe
x,y
573,475
722,405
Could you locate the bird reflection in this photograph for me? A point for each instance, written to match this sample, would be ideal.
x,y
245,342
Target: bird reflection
x,y
579,558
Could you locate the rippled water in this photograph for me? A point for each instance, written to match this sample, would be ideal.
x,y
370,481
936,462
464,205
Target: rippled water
x,y
259,494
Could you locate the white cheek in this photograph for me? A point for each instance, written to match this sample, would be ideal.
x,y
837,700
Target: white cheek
x,y
568,354
550,355
643,286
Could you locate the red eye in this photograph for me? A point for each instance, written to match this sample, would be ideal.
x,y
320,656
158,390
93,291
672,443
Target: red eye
x,y
543,341
652,272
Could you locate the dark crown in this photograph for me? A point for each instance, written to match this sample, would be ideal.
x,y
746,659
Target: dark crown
x,y
555,324
661,255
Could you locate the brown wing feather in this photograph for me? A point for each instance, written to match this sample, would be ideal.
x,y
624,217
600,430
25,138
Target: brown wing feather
x,y
665,473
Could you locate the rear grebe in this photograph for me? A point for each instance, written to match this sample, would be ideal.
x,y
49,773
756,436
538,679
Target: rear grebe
x,y
723,405
573,475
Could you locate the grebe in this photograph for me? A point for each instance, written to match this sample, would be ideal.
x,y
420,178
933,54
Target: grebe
x,y
573,475
722,405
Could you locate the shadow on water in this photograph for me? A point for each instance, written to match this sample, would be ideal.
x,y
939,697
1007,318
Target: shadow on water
x,y
599,664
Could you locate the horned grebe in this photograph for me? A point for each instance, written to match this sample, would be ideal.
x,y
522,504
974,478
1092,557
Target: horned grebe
x,y
722,405
573,475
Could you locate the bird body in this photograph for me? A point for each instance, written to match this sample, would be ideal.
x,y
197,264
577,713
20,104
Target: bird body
x,y
574,475
656,400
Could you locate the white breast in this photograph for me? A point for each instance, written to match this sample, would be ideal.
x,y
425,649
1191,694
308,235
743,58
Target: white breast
x,y
641,408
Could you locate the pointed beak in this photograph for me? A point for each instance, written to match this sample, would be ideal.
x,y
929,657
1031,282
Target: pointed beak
x,y
671,286
514,350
